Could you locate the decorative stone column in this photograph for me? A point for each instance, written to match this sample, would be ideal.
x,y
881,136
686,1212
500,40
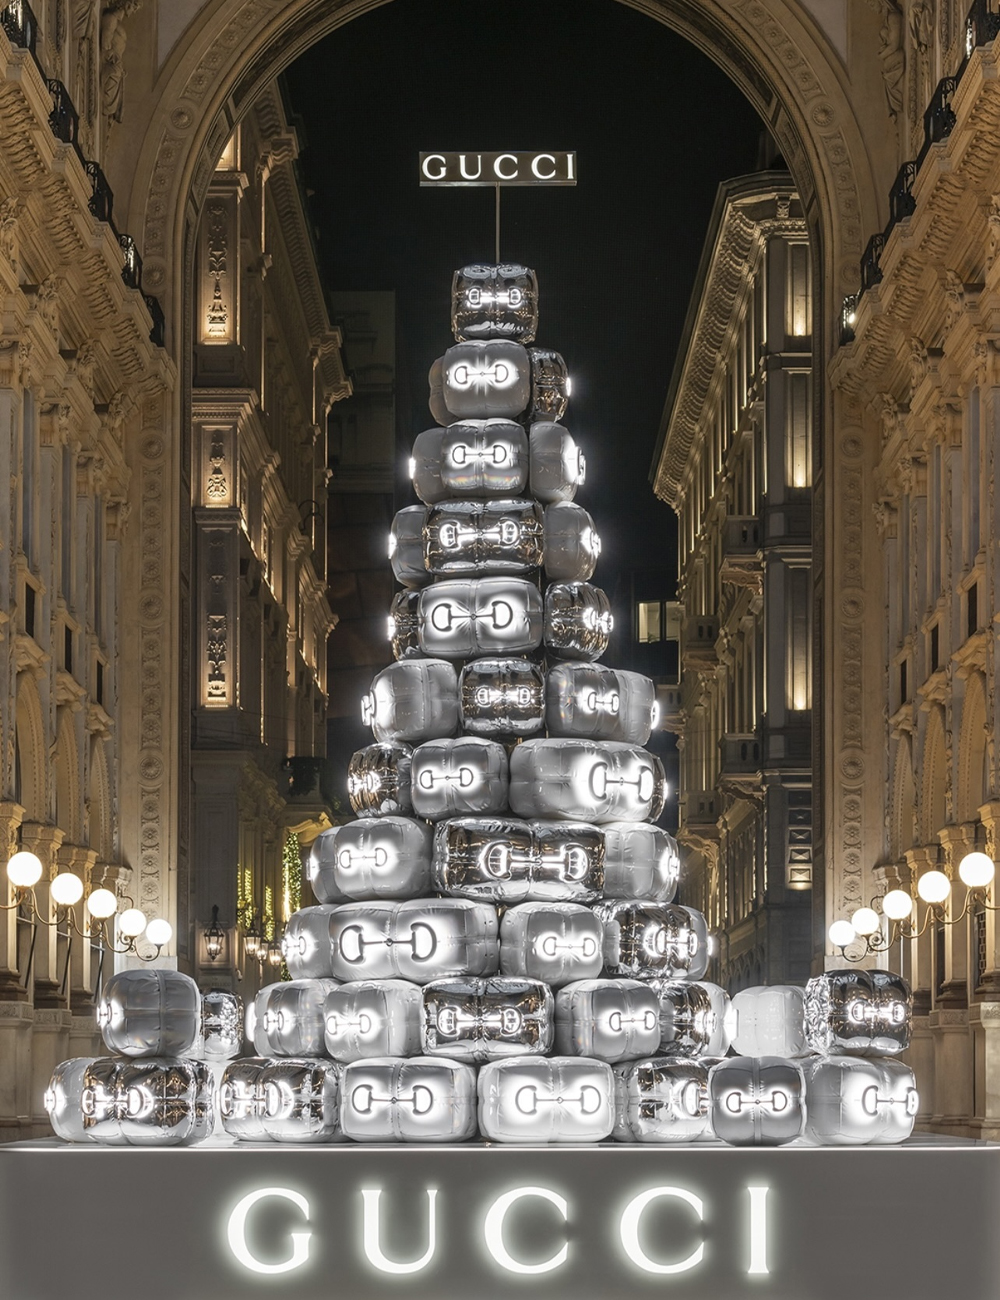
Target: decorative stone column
x,y
45,841
11,988
72,857
957,841
16,1021
989,814
921,1054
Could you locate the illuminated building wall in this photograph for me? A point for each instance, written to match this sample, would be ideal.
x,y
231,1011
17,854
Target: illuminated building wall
x,y
267,368
737,439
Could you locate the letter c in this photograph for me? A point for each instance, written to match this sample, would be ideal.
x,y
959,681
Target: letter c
x,y
425,167
237,1232
504,176
630,1230
543,176
493,1230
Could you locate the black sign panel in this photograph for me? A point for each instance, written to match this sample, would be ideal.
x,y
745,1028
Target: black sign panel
x,y
525,168
444,1223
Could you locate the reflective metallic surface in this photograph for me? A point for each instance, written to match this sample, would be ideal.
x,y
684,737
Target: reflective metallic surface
x,y
406,547
502,697
557,466
435,381
471,538
572,544
453,777
221,1035
412,701
461,619
770,1021
420,940
647,940
292,1100
610,1019
305,945
852,1101
424,1099
62,1099
480,1020
546,1099
695,1018
757,1100
494,302
486,379
602,781
373,1018
288,1019
404,625
592,702
470,458
640,862
861,1012
374,857
378,780
664,1099
549,385
554,942
506,860
156,1102
578,620
149,1013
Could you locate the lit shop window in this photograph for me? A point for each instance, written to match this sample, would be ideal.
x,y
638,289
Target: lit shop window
x,y
798,430
650,621
798,640
798,321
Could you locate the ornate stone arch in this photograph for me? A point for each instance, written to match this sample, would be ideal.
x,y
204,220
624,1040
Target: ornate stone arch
x,y
67,779
933,809
30,751
903,809
771,49
973,787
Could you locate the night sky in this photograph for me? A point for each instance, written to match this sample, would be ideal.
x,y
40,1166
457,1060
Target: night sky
x,y
656,127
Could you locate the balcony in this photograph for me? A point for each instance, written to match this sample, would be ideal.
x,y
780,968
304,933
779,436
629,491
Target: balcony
x,y
742,565
700,633
740,763
701,810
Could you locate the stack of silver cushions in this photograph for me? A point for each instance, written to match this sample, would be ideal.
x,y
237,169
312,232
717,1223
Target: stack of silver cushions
x,y
154,1091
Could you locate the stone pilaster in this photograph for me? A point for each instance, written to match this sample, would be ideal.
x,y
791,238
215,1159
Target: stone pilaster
x,y
953,1103
11,988
984,1022
72,857
990,986
16,1021
45,841
957,841
49,1046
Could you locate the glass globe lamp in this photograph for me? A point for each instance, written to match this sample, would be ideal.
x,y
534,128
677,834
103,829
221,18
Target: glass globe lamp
x,y
933,886
842,933
897,905
865,921
977,870
24,869
66,889
159,932
131,923
101,904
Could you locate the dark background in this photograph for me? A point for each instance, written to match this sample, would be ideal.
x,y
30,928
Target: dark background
x,y
656,126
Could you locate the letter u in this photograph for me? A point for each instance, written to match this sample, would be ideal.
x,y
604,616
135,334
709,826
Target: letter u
x,y
373,1235
461,167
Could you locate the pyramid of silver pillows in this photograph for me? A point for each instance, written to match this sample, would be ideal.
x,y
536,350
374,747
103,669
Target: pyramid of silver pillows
x,y
496,950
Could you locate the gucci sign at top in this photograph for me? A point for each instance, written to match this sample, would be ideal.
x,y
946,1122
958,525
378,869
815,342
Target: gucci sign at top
x,y
525,168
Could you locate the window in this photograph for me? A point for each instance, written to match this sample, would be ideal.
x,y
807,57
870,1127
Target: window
x,y
972,610
935,648
798,322
798,429
798,640
650,621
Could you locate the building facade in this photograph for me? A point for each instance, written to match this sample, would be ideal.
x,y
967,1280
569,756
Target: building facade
x,y
735,462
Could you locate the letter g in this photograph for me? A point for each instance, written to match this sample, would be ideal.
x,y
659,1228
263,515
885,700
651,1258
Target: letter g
x,y
237,1232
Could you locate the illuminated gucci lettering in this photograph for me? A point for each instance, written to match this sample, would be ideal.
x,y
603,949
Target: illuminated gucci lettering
x,y
236,1232
422,943
495,1234
510,168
